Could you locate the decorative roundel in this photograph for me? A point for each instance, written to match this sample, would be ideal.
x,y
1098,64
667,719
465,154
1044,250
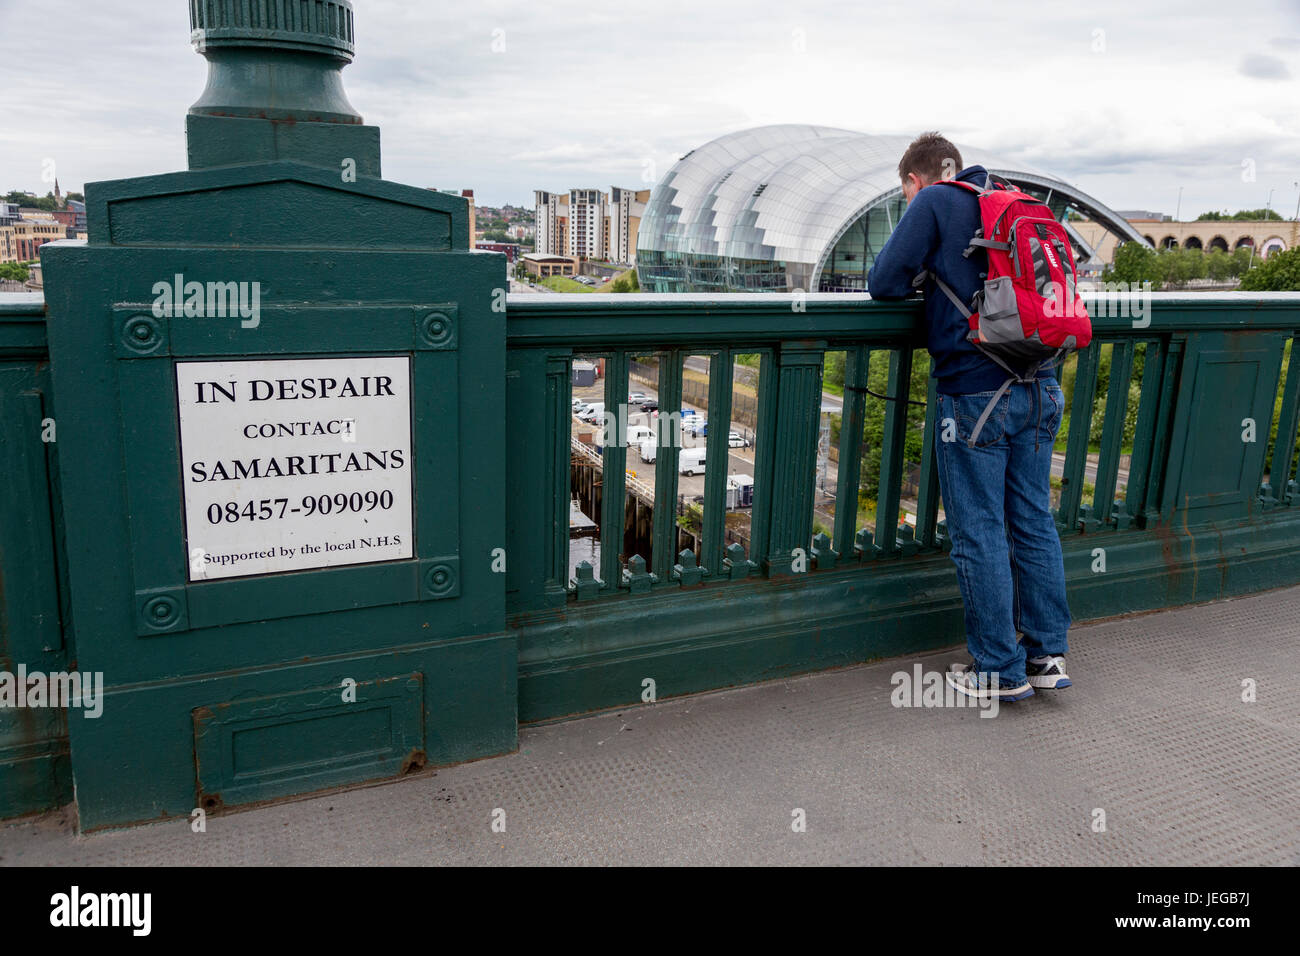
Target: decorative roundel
x,y
142,334
440,579
437,328
162,611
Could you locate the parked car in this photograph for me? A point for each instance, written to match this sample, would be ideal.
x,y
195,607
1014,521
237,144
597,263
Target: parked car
x,y
636,398
737,440
650,405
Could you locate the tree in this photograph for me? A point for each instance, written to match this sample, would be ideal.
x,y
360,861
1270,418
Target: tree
x,y
1218,265
1101,396
1242,259
873,432
1192,264
1134,264
625,283
1280,272
1244,215
14,271
45,203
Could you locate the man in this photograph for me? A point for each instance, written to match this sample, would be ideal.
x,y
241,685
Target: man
x,y
996,495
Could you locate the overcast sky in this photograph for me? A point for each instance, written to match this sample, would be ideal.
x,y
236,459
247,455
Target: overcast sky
x,y
1126,100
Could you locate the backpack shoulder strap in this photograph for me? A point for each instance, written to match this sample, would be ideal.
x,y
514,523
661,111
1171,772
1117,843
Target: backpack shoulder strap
x,y
958,182
978,240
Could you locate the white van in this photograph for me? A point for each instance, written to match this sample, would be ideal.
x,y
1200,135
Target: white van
x,y
649,450
691,461
593,412
638,435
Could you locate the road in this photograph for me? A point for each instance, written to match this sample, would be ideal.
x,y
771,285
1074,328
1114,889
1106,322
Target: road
x,y
699,363
1089,469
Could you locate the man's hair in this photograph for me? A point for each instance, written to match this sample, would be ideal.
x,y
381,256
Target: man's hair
x,y
930,156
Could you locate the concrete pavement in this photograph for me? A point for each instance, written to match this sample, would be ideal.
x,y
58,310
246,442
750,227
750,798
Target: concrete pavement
x,y
1152,758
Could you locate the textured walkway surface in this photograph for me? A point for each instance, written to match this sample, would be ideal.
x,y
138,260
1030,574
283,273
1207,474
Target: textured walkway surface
x,y
1154,735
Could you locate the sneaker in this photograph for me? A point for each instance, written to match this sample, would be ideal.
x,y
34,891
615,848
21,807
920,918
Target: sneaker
x,y
966,679
1047,672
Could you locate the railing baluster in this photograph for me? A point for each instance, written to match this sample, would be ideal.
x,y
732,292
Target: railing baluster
x,y
613,504
1076,450
1112,434
667,457
764,456
1156,491
559,414
798,421
927,498
892,453
717,461
1288,421
1139,466
849,475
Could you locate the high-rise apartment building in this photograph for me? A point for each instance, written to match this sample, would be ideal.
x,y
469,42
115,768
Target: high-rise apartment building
x,y
626,208
551,216
589,224
586,224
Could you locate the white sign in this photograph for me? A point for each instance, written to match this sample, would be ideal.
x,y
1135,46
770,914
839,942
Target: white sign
x,y
294,464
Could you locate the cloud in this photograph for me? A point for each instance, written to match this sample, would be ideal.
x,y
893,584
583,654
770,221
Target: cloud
x,y
504,96
1261,66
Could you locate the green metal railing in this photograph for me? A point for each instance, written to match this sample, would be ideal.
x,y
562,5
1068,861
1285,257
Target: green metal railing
x,y
1237,337
1206,507
35,626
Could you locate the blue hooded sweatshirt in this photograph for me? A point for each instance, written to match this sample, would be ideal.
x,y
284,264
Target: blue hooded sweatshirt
x,y
931,236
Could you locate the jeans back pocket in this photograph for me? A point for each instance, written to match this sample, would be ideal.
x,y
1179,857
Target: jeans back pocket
x,y
1054,409
965,411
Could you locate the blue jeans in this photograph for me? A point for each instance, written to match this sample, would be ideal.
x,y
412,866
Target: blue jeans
x,y
997,502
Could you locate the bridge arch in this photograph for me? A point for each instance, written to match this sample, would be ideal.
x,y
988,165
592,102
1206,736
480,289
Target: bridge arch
x,y
1192,242
1271,245
1169,242
1246,242
1220,243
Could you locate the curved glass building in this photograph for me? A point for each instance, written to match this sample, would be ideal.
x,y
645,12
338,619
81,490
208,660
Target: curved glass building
x,y
779,208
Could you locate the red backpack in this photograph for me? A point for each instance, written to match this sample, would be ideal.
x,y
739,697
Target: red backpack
x,y
1029,311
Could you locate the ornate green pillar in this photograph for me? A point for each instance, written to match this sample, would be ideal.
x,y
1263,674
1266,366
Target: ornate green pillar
x,y
281,414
